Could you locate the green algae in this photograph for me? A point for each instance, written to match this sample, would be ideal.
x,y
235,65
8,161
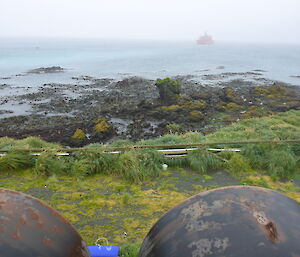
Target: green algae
x,y
79,135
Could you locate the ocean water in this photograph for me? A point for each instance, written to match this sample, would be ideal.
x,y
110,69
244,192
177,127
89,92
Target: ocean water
x,y
119,59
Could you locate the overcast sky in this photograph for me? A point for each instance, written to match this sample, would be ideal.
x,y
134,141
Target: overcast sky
x,y
227,20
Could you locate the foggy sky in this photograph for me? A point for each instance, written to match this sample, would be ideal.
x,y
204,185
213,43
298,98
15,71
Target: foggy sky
x,y
227,20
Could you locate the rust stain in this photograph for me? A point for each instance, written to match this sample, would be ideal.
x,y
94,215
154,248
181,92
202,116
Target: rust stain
x,y
22,216
35,216
58,229
260,211
10,191
29,210
22,221
269,227
41,226
272,231
16,235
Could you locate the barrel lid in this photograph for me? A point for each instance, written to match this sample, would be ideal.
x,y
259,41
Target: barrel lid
x,y
31,228
233,221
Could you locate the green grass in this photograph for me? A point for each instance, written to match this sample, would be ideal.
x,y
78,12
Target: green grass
x,y
238,165
276,127
105,195
29,142
169,139
15,160
130,250
102,205
137,165
48,163
203,161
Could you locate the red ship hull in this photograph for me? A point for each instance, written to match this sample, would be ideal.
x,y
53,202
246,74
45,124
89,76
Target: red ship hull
x,y
205,40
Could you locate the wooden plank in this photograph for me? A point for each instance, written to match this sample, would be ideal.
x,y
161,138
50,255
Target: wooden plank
x,y
176,156
177,151
223,150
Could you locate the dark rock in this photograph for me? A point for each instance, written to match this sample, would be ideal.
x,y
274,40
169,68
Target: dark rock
x,y
5,111
53,69
135,110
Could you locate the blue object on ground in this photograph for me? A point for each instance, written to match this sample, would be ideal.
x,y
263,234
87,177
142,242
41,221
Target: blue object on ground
x,y
104,250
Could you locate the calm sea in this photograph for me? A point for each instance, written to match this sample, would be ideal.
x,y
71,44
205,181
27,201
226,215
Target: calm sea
x,y
119,59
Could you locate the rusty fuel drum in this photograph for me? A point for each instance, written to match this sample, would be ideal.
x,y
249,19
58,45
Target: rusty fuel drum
x,y
30,228
238,221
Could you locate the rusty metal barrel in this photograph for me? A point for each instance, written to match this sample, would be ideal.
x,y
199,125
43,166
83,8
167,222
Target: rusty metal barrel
x,y
30,228
238,221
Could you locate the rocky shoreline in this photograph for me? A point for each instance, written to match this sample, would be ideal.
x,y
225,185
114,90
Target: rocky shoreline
x,y
104,110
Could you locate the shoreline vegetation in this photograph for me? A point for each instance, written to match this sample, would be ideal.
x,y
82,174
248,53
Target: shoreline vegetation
x,y
105,110
121,196
145,163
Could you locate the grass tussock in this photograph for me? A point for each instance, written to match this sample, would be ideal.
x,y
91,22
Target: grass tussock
x,y
26,143
137,165
48,163
134,166
276,127
130,250
94,162
177,162
16,160
280,161
238,165
203,161
170,139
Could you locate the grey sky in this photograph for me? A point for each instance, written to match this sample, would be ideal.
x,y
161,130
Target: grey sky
x,y
227,20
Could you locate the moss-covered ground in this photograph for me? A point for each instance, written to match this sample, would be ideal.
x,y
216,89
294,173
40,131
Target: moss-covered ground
x,y
120,199
110,207
106,206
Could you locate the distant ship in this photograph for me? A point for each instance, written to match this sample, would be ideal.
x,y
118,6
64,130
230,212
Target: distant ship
x,y
205,40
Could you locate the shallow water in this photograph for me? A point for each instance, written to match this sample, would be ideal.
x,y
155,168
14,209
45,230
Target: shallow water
x,y
119,59
14,108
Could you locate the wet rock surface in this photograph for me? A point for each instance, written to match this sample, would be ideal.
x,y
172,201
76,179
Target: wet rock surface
x,y
133,109
53,69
